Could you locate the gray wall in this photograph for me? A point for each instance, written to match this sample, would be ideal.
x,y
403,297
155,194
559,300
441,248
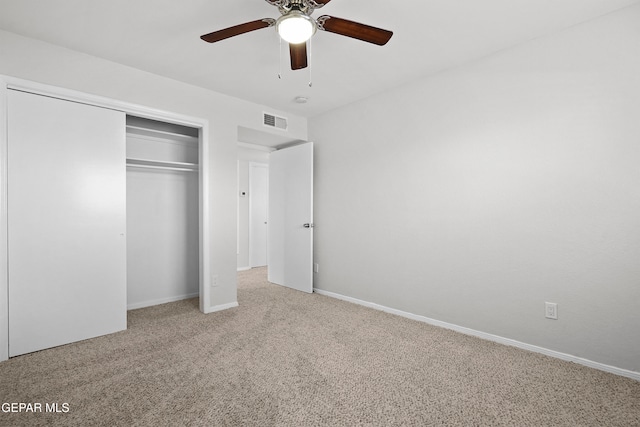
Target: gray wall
x,y
474,196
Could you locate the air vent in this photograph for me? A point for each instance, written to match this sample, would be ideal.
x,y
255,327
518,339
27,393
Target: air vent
x,y
275,121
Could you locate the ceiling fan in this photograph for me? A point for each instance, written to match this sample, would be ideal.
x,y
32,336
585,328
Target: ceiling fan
x,y
296,26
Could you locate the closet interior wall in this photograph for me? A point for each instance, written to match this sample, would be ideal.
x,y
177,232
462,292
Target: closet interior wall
x,y
162,212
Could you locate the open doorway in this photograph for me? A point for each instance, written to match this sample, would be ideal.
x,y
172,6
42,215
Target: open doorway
x,y
254,148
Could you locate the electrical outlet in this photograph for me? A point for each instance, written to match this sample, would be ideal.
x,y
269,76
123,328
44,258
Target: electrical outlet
x,y
551,310
214,280
316,268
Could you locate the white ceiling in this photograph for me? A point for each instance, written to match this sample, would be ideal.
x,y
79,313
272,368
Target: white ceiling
x,y
162,37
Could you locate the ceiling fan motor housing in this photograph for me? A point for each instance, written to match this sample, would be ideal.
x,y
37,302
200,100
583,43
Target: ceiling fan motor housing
x,y
305,6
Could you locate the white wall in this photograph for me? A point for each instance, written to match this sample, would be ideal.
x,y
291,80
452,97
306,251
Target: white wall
x,y
474,196
45,63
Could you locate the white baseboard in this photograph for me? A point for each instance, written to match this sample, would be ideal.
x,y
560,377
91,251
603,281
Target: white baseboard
x,y
244,268
490,337
160,301
221,307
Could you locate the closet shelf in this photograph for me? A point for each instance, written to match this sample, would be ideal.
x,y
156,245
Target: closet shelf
x,y
138,130
161,164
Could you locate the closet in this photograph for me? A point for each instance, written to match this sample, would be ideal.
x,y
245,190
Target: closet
x,y
102,212
162,212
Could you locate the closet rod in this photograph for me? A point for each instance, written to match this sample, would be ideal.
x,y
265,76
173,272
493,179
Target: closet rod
x,y
131,165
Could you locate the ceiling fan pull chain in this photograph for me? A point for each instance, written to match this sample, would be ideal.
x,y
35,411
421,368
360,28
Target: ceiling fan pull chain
x,y
280,61
310,63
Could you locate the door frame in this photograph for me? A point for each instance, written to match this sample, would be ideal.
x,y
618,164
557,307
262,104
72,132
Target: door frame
x,y
7,83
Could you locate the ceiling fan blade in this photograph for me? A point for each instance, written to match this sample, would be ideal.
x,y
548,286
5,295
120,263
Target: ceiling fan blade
x,y
236,30
298,54
321,3
354,30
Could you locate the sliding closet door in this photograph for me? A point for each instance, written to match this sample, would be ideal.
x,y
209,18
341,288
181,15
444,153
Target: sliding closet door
x,y
66,222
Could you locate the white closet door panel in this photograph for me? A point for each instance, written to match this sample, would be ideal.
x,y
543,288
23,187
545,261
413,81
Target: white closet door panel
x,y
66,222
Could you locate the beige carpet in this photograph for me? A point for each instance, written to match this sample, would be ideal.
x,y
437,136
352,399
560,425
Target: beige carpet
x,y
285,358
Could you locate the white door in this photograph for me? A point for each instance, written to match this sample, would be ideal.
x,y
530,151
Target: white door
x,y
290,244
258,211
66,222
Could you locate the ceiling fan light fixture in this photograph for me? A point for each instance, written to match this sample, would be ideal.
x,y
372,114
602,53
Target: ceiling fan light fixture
x,y
295,27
